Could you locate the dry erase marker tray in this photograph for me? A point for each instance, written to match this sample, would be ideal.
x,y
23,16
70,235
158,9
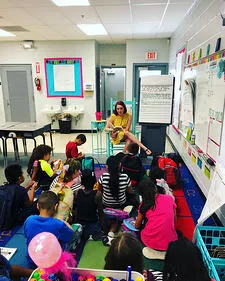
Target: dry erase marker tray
x,y
112,274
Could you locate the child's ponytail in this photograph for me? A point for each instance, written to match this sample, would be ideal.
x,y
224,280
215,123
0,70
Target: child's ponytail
x,y
147,190
113,169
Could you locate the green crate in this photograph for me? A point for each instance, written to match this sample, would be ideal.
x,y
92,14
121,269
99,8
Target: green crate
x,y
207,239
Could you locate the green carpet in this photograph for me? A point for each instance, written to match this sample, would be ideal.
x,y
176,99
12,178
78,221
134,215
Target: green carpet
x,y
93,255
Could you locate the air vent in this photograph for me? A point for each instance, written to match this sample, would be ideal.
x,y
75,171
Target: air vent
x,y
15,28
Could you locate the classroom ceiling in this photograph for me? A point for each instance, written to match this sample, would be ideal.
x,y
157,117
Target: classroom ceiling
x,y
122,19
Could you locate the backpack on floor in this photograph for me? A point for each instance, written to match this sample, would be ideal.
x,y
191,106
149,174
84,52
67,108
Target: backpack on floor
x,y
128,226
172,173
7,194
88,163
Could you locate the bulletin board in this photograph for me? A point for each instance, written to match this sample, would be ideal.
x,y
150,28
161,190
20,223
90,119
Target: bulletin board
x,y
64,77
209,102
156,99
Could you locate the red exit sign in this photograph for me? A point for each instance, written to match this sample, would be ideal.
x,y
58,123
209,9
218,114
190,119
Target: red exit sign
x,y
151,56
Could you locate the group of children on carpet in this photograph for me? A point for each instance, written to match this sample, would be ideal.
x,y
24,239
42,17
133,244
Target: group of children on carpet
x,y
71,199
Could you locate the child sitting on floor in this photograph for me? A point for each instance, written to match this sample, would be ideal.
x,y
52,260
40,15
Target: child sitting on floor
x,y
45,222
125,250
131,164
39,169
71,147
88,209
15,210
158,212
157,175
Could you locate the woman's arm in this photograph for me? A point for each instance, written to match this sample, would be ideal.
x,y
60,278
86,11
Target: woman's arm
x,y
139,220
108,124
128,124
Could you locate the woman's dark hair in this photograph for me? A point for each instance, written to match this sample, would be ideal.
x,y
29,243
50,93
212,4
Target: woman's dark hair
x,y
88,179
38,153
125,250
113,169
148,191
122,104
184,262
13,172
74,166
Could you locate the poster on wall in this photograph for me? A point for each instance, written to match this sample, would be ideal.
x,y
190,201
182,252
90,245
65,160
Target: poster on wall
x,y
180,63
64,77
156,99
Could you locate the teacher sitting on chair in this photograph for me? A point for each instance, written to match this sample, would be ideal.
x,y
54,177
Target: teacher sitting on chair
x,y
119,125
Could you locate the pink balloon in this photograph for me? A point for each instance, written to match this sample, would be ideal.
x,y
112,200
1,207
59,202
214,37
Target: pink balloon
x,y
44,249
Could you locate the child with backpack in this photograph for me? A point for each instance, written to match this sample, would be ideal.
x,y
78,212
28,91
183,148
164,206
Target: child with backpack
x,y
66,186
45,222
15,199
158,213
131,164
88,209
71,147
39,169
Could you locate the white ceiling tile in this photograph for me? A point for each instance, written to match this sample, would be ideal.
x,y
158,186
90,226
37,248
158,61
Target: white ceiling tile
x,y
182,1
18,16
145,28
146,2
171,22
114,14
118,29
147,13
81,15
8,4
109,2
69,30
31,3
48,15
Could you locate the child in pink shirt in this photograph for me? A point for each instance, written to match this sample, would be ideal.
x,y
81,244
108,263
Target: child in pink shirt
x,y
158,210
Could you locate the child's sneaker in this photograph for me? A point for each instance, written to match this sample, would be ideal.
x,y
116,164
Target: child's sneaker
x,y
111,234
106,240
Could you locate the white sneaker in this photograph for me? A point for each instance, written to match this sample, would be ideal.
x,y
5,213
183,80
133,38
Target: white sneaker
x,y
111,234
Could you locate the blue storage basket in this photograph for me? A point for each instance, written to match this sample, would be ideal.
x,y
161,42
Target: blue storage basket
x,y
207,239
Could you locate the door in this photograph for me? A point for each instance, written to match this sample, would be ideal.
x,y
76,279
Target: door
x,y
112,85
146,69
18,94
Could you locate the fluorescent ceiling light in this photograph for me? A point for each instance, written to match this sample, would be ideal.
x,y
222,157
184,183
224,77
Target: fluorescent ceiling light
x,y
62,3
4,33
92,29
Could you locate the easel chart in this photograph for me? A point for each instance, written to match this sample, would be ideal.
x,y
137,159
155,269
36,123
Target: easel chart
x,y
156,99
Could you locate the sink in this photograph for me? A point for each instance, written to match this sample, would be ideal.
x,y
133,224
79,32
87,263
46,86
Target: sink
x,y
74,110
52,110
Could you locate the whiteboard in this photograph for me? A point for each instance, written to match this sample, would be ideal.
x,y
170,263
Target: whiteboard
x,y
210,94
156,99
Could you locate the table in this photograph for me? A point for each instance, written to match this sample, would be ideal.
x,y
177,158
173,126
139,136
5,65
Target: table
x,y
29,130
98,128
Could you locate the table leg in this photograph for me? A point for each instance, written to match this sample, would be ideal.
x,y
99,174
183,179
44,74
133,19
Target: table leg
x,y
24,146
43,136
50,133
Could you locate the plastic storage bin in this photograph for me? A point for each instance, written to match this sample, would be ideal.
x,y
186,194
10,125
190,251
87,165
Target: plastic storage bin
x,y
207,239
105,273
65,125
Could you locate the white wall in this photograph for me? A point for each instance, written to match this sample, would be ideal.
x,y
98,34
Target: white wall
x,y
112,54
201,27
135,53
12,53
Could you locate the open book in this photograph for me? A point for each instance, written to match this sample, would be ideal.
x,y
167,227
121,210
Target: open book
x,y
7,252
115,128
